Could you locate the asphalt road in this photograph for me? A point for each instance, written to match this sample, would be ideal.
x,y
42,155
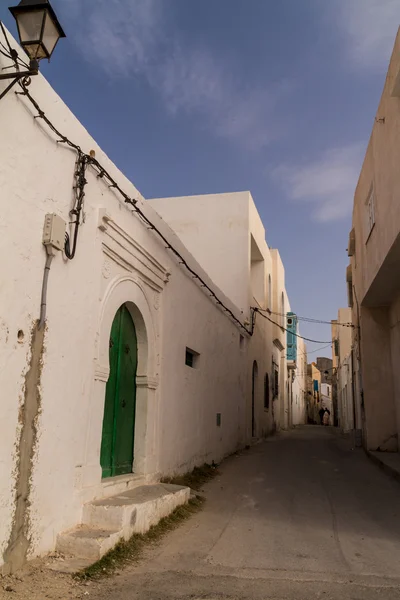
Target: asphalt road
x,y
302,515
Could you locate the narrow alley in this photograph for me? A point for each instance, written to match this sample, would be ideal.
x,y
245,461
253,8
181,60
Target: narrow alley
x,y
200,237
302,515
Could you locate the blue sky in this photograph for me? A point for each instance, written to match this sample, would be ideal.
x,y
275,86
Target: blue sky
x,y
206,96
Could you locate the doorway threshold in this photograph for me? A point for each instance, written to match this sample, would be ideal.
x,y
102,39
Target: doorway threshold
x,y
121,483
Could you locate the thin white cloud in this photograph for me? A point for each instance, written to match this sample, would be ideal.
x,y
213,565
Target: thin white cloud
x,y
137,37
370,28
327,184
119,36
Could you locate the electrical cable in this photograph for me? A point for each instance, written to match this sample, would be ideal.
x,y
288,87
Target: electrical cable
x,y
4,53
285,329
322,371
86,159
313,351
9,52
309,319
103,174
5,37
76,211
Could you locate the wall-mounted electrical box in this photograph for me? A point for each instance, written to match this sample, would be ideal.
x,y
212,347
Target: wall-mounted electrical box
x,y
54,231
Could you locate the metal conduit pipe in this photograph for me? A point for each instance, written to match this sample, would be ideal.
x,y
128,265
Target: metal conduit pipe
x,y
43,302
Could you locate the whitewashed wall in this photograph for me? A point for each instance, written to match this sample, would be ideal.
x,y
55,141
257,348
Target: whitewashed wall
x,y
118,260
261,347
300,385
344,374
279,336
215,228
228,226
345,394
326,399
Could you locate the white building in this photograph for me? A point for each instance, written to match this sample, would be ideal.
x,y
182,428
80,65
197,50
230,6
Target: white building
x,y
326,400
225,234
299,388
342,356
146,366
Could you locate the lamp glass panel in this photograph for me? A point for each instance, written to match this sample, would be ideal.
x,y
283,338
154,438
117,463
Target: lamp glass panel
x,y
50,35
30,25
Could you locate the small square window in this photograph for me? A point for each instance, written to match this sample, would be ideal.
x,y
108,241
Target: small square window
x,y
191,358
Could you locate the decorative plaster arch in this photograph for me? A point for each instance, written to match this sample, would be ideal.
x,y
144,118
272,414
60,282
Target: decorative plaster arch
x,y
131,292
127,290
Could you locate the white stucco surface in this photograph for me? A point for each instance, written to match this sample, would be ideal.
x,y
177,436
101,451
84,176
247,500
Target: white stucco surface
x,y
120,261
344,371
326,399
215,229
299,388
225,234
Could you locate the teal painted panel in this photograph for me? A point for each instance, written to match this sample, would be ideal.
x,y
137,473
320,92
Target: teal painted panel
x,y
291,337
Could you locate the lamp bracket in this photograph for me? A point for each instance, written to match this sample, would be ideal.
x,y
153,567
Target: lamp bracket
x,y
17,75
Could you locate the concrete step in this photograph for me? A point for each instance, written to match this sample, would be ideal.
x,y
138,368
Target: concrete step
x,y
87,542
105,522
136,510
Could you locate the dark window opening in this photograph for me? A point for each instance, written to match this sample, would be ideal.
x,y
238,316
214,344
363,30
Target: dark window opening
x,y
191,358
276,381
253,398
336,343
266,392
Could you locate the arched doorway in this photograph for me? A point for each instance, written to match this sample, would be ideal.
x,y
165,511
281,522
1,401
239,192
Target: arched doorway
x,y
253,394
117,444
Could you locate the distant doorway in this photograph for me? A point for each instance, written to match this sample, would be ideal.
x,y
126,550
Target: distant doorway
x,y
253,399
266,392
116,457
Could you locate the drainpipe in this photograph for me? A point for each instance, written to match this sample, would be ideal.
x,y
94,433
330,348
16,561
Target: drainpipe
x,y
43,302
54,241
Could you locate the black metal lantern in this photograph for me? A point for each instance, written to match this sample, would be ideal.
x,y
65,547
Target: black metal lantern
x,y
38,28
39,32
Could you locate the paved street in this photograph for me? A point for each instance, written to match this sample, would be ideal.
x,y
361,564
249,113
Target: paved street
x,y
302,515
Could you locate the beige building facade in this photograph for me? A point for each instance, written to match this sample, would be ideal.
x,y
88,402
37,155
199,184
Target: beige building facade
x,y
313,393
373,280
342,359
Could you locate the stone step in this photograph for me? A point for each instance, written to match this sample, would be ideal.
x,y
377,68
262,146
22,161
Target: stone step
x,y
105,522
87,542
136,510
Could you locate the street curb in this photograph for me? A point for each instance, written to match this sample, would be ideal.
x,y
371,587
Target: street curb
x,y
394,473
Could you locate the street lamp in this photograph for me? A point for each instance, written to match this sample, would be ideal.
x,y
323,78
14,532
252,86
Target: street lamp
x,y
38,28
39,31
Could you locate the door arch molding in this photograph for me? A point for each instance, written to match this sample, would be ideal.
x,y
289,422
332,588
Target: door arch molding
x,y
127,290
119,414
143,307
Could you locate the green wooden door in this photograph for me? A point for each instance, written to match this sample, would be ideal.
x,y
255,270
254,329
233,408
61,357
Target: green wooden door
x,y
117,443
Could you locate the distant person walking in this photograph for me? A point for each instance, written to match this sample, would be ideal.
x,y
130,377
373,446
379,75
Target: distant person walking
x,y
326,416
321,415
